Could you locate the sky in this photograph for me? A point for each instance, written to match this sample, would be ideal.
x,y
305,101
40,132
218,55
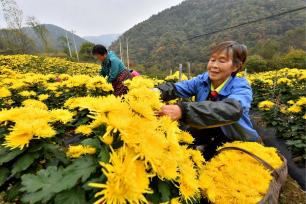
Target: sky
x,y
92,17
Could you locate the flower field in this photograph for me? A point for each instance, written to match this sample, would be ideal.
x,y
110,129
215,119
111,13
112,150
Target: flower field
x,y
280,96
41,64
66,139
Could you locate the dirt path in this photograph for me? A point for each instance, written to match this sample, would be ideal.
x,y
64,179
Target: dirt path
x,y
292,193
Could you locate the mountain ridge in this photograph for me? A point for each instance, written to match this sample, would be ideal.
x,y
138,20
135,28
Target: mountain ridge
x,y
104,39
161,40
54,33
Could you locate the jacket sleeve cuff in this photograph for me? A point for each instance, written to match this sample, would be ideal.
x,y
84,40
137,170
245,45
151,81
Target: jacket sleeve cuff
x,y
183,107
168,91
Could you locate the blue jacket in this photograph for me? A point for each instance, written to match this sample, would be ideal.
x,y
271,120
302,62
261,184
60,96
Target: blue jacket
x,y
236,88
111,67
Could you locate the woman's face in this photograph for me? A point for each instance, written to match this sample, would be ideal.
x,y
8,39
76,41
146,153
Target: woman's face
x,y
220,66
100,57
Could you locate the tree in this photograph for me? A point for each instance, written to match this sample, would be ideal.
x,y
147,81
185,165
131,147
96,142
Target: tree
x,y
17,40
294,59
14,42
41,31
256,63
85,52
64,44
267,48
167,38
294,39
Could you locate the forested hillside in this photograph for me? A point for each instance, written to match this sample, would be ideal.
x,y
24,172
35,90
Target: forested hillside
x,y
160,42
55,37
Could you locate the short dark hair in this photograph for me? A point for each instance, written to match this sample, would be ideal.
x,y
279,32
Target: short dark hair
x,y
99,49
239,52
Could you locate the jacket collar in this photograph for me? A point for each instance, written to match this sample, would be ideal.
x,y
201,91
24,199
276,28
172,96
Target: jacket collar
x,y
227,87
107,60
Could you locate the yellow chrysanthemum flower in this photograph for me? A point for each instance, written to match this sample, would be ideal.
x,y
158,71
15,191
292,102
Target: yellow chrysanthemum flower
x,y
27,93
19,137
99,82
84,129
144,101
34,104
79,150
9,102
62,115
30,123
290,102
175,201
228,176
186,137
188,181
176,77
284,81
294,109
107,138
43,97
127,179
283,110
266,105
4,92
268,82
138,82
301,101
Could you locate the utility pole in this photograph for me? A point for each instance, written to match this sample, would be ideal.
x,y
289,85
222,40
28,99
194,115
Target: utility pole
x,y
180,72
127,53
75,47
120,49
68,45
188,67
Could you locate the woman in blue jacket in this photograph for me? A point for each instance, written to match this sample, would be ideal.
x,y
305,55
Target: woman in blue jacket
x,y
221,111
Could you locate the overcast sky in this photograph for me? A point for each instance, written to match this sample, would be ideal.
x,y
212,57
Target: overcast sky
x,y
93,17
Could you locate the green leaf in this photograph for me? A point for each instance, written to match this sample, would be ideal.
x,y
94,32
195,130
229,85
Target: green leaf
x,y
56,152
164,189
42,187
7,155
104,155
61,130
24,162
100,130
80,169
94,142
154,198
3,150
3,131
73,196
4,173
36,147
300,145
82,121
12,193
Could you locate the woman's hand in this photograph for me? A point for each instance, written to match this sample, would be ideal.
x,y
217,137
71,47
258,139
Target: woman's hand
x,y
173,111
